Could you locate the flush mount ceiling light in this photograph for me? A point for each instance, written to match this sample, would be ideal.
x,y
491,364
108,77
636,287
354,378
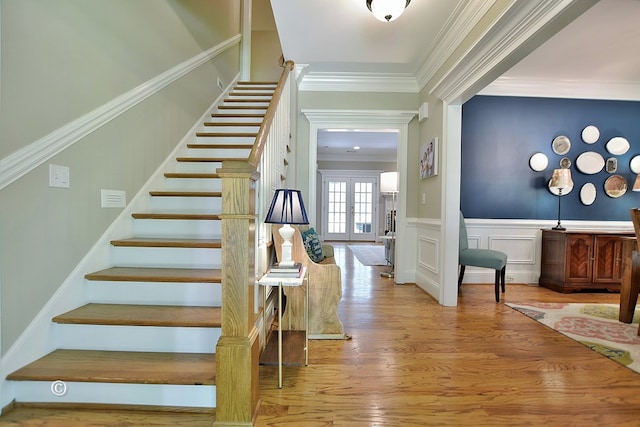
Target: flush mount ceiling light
x,y
387,10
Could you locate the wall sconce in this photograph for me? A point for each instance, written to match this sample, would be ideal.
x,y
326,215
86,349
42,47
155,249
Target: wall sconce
x,y
561,179
636,185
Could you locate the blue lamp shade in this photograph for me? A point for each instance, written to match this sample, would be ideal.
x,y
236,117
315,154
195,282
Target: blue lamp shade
x,y
287,207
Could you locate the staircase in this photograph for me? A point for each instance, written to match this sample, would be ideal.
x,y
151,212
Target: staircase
x,y
149,334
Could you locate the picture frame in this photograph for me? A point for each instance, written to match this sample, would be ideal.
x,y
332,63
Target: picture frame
x,y
429,159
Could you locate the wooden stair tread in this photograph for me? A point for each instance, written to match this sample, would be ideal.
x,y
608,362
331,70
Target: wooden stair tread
x,y
191,175
221,146
152,242
247,100
232,124
109,367
245,92
228,134
142,315
237,115
161,193
210,159
184,216
242,107
141,274
256,83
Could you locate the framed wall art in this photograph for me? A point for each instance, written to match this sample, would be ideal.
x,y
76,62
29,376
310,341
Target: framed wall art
x,y
429,159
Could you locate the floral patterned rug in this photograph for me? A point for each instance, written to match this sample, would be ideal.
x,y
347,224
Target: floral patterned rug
x,y
594,325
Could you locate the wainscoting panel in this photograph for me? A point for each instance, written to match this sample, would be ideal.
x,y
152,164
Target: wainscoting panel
x,y
519,239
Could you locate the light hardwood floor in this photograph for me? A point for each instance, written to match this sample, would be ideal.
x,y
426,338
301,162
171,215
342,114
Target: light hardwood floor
x,y
412,362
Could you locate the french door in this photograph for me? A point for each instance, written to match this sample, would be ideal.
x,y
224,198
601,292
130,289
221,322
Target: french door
x,y
349,210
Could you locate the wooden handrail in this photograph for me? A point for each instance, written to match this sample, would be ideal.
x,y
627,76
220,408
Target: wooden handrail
x,y
263,133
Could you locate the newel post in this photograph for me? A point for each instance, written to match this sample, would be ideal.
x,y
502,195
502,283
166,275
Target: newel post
x,y
237,351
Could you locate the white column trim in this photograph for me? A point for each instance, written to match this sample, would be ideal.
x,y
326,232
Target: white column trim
x,y
367,119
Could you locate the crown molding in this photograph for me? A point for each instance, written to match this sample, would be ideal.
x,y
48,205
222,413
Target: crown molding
x,y
33,155
358,118
357,82
464,17
575,89
511,37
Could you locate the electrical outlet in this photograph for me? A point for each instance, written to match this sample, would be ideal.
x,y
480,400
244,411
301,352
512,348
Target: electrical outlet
x,y
510,279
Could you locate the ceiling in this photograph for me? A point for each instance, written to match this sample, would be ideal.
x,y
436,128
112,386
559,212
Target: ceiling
x,y
594,56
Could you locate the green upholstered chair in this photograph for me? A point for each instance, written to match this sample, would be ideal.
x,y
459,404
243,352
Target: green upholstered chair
x,y
484,258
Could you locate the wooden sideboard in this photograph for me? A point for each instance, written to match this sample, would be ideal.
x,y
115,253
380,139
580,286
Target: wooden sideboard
x,y
582,260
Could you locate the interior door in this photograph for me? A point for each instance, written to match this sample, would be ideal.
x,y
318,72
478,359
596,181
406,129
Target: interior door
x,y
349,208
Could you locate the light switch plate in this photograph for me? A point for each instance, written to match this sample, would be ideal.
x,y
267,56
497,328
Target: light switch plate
x,y
59,176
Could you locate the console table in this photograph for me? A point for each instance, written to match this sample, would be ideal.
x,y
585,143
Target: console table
x,y
582,260
272,279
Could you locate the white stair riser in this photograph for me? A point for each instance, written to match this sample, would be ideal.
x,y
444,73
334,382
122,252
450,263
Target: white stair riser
x,y
166,257
160,293
176,228
224,139
247,104
265,97
237,119
242,111
126,394
186,204
270,89
229,129
201,184
195,167
225,153
137,338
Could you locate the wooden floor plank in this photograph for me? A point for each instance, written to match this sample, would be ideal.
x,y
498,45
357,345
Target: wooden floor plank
x,y
142,315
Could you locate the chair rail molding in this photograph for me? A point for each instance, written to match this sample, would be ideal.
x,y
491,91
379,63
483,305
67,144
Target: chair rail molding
x,y
23,161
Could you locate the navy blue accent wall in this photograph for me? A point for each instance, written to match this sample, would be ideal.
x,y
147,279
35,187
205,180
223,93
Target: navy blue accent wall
x,y
500,134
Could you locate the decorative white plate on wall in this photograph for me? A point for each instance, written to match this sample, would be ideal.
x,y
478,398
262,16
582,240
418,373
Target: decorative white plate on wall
x,y
561,145
634,164
615,186
538,162
556,192
590,162
590,134
617,145
588,194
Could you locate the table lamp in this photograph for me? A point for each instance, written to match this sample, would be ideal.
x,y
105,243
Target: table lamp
x,y
560,180
287,208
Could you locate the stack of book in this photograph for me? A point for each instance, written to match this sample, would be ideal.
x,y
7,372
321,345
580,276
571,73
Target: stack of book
x,y
278,270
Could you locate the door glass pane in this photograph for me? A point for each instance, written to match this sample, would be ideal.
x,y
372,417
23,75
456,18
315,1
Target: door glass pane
x,y
362,207
337,209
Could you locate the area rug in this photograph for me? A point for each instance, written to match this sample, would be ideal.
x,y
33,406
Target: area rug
x,y
369,254
593,325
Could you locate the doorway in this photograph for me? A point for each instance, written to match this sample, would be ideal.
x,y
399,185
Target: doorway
x,y
350,208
